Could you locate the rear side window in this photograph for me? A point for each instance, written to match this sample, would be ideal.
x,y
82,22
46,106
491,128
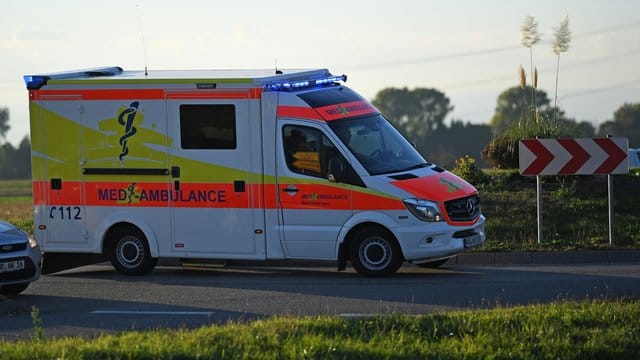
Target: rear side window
x,y
208,126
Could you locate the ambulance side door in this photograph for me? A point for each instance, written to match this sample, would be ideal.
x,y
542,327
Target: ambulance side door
x,y
313,209
216,170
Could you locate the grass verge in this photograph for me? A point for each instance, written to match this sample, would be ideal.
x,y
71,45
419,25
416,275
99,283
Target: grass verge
x,y
575,212
15,187
597,329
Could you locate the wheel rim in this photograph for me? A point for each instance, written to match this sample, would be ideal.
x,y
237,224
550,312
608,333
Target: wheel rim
x,y
375,253
130,252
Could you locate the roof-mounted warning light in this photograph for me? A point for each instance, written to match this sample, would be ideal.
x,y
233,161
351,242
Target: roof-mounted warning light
x,y
35,82
300,84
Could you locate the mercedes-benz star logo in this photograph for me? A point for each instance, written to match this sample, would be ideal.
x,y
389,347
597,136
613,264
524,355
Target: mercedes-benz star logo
x,y
470,206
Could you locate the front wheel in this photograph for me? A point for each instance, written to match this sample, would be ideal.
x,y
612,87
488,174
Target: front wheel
x,y
130,253
13,289
375,252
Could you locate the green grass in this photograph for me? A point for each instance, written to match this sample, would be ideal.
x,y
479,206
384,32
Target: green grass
x,y
16,199
562,330
15,188
575,212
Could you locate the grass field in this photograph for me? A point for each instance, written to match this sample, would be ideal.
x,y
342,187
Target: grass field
x,y
575,212
16,204
562,330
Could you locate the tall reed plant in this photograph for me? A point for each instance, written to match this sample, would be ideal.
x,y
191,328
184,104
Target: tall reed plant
x,y
562,38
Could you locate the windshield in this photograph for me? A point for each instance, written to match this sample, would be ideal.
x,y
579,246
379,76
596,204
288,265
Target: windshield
x,y
377,145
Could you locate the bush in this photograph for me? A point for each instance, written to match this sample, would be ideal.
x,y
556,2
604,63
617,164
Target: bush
x,y
502,150
466,169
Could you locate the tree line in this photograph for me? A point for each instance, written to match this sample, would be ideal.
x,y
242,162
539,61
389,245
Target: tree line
x,y
15,163
420,115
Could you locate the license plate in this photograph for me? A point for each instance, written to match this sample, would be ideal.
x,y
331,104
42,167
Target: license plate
x,y
11,266
472,241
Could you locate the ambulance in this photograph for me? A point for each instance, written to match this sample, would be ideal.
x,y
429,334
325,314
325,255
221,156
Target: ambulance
x,y
228,165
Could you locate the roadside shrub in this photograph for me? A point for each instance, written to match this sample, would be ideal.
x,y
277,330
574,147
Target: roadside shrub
x,y
466,168
502,150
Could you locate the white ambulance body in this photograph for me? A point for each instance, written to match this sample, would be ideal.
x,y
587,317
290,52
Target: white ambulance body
x,y
233,165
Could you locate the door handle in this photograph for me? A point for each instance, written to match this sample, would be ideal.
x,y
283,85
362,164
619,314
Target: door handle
x,y
291,189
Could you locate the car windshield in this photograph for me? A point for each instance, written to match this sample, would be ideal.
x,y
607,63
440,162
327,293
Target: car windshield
x,y
377,145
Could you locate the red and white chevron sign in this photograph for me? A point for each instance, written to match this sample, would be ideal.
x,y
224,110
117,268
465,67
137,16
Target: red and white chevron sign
x,y
586,156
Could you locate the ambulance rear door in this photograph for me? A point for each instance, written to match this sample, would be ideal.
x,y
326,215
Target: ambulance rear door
x,y
58,144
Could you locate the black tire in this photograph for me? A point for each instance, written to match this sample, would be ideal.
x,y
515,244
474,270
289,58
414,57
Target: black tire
x,y
375,252
13,289
130,253
433,264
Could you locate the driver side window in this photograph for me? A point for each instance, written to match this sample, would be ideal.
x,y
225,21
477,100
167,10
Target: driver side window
x,y
309,152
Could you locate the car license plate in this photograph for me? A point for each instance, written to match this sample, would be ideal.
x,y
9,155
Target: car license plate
x,y
11,266
472,241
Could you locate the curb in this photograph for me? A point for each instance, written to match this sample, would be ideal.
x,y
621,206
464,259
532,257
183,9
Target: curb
x,y
547,257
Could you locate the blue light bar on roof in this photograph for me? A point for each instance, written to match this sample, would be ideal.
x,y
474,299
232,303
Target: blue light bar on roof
x,y
35,82
300,84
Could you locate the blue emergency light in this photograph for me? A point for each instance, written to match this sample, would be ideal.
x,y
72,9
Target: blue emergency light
x,y
300,84
35,82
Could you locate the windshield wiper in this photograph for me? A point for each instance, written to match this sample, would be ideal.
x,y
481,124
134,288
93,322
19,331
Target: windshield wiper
x,y
417,166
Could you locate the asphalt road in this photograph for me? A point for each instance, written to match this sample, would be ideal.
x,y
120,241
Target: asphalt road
x,y
95,299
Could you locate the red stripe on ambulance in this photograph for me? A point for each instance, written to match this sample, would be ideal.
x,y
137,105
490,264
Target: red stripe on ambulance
x,y
300,112
344,110
207,195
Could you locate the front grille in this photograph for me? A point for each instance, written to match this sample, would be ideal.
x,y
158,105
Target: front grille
x,y
8,248
28,272
463,209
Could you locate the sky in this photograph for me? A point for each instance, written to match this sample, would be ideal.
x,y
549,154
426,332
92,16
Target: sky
x,y
468,49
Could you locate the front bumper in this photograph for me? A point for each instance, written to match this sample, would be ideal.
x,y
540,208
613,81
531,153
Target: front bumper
x,y
31,272
433,241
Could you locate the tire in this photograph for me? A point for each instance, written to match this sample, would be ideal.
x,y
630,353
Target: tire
x,y
433,264
130,253
375,252
13,289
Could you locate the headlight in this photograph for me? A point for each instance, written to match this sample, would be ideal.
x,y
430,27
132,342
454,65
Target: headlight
x,y
32,242
424,210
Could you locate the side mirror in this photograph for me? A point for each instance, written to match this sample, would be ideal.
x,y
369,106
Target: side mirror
x,y
337,170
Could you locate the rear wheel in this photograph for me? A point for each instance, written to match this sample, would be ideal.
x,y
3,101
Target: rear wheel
x,y
375,252
130,253
433,264
13,289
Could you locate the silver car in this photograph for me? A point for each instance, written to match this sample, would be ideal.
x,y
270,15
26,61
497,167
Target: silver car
x,y
19,260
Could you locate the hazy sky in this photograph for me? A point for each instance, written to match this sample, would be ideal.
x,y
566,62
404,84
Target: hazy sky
x,y
469,49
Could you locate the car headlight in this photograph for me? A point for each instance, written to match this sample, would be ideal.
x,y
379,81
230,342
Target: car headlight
x,y
32,242
424,210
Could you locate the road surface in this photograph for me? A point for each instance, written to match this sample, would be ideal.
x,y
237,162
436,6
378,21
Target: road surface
x,y
95,299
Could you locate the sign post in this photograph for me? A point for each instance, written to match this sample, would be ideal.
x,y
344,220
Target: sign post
x,y
539,206
583,156
610,195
